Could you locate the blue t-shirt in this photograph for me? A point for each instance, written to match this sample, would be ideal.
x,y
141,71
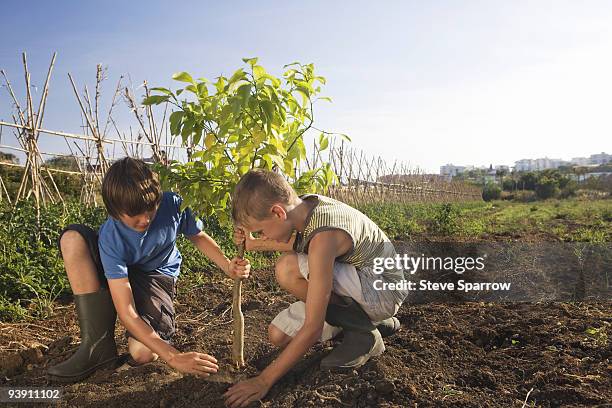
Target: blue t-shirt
x,y
152,250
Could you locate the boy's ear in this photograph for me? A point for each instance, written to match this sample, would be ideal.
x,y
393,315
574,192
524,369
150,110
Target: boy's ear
x,y
279,212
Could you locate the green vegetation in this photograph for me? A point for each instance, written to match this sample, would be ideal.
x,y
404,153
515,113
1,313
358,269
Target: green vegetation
x,y
32,274
491,192
69,185
249,120
564,182
31,270
570,220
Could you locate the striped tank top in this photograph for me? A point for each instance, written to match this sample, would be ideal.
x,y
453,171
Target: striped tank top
x,y
369,242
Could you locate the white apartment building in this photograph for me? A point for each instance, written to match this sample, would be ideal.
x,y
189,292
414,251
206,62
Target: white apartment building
x,y
601,158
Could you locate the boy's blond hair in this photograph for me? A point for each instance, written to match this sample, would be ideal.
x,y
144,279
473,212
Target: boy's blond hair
x,y
256,192
130,188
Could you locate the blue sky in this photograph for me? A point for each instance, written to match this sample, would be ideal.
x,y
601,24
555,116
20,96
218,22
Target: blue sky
x,y
426,82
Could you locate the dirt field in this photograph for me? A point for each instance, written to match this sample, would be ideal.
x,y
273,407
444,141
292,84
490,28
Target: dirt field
x,y
460,354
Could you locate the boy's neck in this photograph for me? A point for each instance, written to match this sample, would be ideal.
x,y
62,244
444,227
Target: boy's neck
x,y
299,213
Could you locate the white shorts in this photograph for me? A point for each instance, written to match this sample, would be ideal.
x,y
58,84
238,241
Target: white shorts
x,y
346,283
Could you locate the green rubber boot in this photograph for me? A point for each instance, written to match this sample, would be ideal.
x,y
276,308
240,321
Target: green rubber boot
x,y
362,339
97,317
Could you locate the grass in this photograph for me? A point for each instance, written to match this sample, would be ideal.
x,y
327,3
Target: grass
x,y
569,220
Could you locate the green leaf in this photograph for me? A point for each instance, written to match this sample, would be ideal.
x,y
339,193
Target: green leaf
x,y
220,84
175,122
210,140
162,90
291,64
258,72
250,61
244,92
183,77
192,88
155,99
268,108
202,90
238,75
323,142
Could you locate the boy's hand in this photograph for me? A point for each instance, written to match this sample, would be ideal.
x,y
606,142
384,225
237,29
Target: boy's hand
x,y
250,243
239,268
240,237
194,363
245,392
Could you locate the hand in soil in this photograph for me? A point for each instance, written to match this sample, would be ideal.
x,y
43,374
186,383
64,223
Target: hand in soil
x,y
245,392
239,268
194,363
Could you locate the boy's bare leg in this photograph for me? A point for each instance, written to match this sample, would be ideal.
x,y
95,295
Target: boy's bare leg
x,y
277,337
288,276
80,268
139,352
94,309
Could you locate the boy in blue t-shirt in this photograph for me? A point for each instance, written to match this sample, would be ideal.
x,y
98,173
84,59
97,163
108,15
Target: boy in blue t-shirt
x,y
130,268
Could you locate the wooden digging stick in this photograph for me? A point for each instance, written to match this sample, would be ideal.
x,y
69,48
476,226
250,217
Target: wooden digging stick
x,y
238,346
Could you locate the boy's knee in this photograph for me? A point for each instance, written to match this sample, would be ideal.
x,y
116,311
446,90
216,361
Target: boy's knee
x,y
277,337
141,353
70,239
286,269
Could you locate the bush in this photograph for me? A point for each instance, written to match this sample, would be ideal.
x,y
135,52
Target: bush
x,y
546,188
569,190
69,185
491,192
31,271
525,196
445,219
509,184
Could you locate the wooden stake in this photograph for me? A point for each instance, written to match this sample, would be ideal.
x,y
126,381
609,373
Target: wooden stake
x,y
238,340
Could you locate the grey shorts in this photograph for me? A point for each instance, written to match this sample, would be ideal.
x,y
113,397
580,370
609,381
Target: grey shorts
x,y
347,282
153,292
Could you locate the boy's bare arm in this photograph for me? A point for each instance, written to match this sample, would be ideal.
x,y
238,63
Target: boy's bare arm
x,y
236,268
262,244
123,299
323,250
211,249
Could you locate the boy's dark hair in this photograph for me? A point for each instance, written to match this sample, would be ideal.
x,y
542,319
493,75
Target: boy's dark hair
x,y
256,192
130,188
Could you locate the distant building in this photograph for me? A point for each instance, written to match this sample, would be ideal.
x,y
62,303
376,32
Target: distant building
x,y
538,164
580,161
601,158
524,165
451,170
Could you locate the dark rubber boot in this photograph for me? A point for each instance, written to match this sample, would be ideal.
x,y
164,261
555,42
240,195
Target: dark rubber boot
x,y
97,317
388,326
361,338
